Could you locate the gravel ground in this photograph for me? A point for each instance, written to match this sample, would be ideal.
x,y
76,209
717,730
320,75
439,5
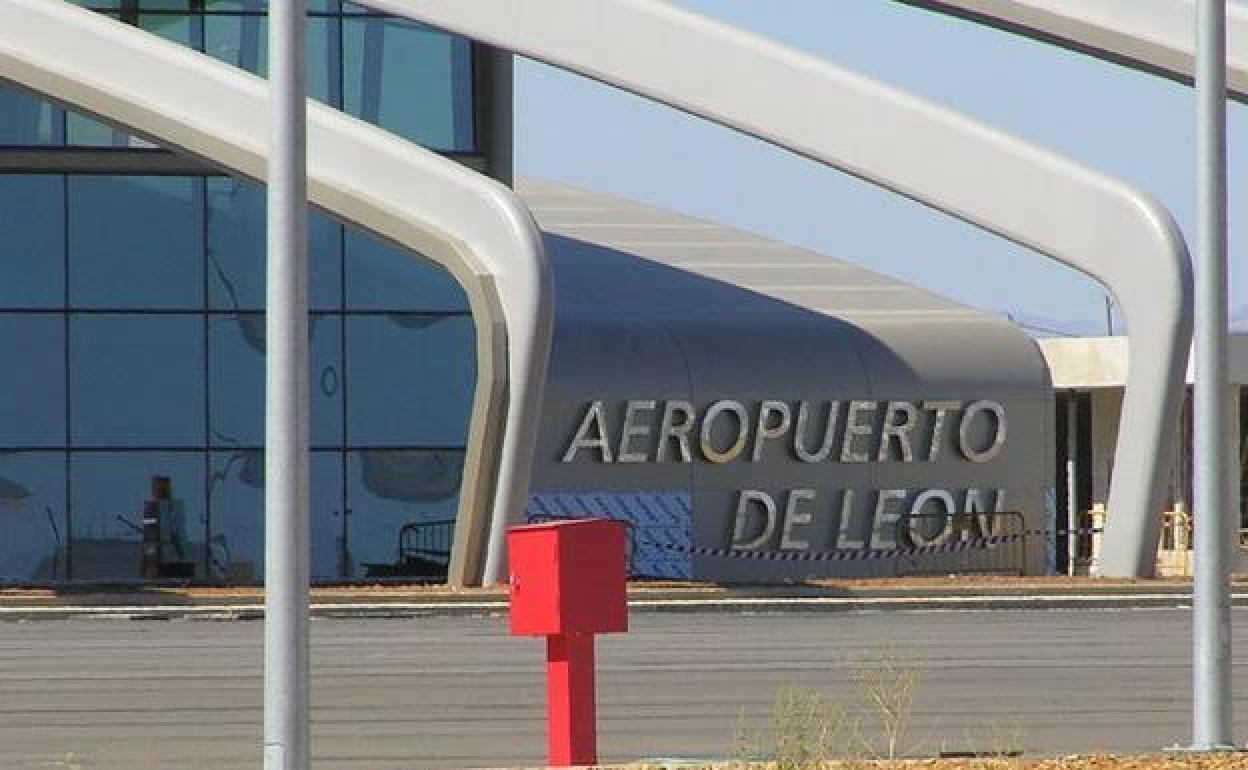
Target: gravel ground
x,y
1220,761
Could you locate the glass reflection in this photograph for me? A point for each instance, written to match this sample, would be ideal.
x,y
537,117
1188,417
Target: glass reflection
x,y
412,80
109,492
26,120
412,379
135,242
165,281
403,504
237,380
82,131
236,243
243,42
314,6
187,30
32,252
385,277
409,79
32,405
32,514
236,494
137,380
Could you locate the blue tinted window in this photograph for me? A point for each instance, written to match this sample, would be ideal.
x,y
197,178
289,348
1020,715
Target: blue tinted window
x,y
236,519
81,130
108,492
314,6
411,380
236,244
32,504
135,242
28,120
32,392
243,42
32,251
137,380
384,277
387,490
187,30
140,341
236,540
409,79
236,363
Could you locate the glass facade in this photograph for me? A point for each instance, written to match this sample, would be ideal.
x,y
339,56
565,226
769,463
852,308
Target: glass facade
x,y
132,324
413,81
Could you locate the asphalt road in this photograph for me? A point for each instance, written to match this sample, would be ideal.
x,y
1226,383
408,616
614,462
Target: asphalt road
x,y
457,692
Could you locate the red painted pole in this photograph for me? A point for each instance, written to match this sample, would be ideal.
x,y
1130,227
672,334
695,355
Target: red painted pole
x,y
571,737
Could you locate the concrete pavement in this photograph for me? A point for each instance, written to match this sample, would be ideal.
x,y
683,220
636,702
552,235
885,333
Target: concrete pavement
x,y
457,692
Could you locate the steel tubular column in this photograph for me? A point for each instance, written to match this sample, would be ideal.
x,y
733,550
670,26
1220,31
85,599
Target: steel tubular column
x,y
1072,488
286,399
1211,622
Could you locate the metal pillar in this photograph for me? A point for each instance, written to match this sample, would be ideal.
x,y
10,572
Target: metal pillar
x,y
1072,489
1211,610
499,149
286,399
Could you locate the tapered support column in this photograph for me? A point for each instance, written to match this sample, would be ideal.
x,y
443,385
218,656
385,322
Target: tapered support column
x,y
572,714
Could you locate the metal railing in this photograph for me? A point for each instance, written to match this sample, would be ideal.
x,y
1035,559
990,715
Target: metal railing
x,y
424,551
963,543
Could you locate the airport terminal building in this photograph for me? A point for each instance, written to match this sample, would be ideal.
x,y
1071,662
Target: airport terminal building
x,y
754,411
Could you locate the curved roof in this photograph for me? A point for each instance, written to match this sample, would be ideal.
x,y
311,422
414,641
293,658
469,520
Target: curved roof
x,y
619,261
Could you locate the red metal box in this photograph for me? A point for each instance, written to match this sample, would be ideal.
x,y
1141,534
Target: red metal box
x,y
568,577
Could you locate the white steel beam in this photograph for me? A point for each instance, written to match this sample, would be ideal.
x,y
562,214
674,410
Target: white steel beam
x,y
1156,36
1068,212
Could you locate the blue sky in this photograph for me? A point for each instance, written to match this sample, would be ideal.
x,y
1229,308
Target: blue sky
x,y
1133,126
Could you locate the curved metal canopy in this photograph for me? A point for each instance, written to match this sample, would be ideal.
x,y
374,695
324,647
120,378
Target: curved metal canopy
x,y
1157,36
1083,219
1077,216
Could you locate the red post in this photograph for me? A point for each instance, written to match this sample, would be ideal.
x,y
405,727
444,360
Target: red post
x,y
571,712
567,584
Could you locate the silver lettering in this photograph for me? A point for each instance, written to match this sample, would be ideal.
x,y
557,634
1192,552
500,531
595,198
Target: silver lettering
x,y
744,498
764,431
583,439
897,430
829,433
942,410
793,517
977,505
844,541
854,429
917,517
884,533
670,429
708,421
964,431
632,429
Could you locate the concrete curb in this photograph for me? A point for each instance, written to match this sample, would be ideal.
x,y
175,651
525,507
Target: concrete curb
x,y
486,605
